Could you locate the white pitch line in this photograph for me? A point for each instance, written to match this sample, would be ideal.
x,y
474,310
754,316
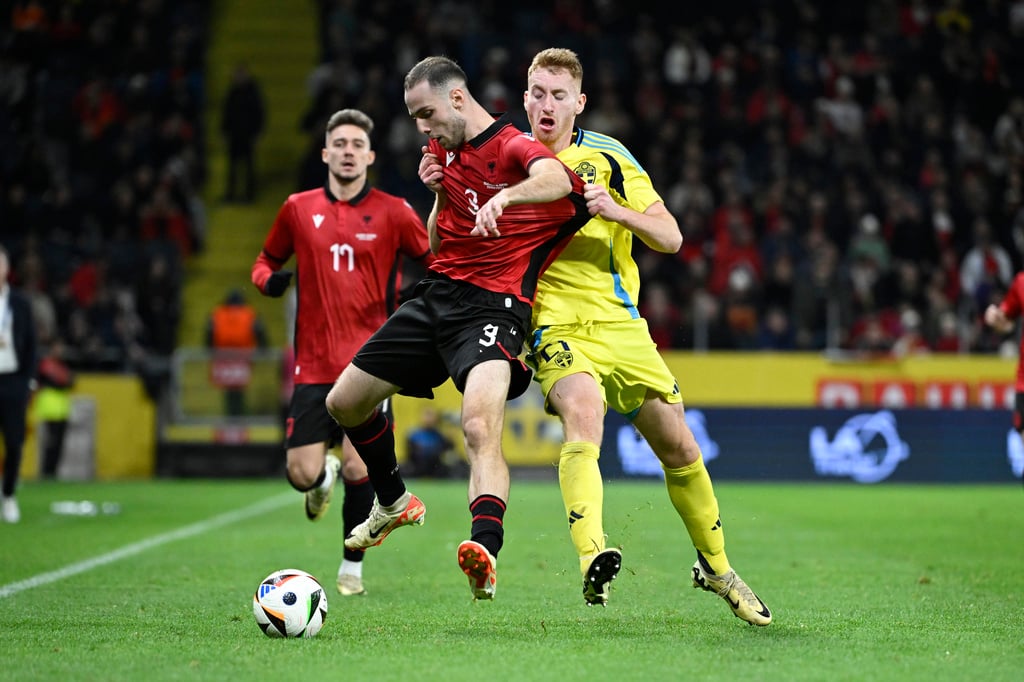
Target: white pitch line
x,y
209,524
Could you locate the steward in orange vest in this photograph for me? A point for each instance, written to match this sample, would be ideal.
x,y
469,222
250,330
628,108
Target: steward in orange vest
x,y
233,330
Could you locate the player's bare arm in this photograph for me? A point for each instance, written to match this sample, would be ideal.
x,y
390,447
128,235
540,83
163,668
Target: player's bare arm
x,y
548,181
432,236
656,227
431,173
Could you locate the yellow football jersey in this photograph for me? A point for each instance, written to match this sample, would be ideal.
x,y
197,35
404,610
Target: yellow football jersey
x,y
595,278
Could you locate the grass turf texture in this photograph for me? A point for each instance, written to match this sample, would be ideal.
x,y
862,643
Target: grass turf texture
x,y
882,583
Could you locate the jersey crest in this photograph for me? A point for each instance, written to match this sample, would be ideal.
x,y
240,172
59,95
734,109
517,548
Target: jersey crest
x,y
587,172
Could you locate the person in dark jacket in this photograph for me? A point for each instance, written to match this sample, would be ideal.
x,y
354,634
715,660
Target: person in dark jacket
x,y
18,359
242,123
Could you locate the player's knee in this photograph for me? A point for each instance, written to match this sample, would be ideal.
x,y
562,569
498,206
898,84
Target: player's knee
x,y
338,407
303,474
347,407
583,425
479,433
583,419
679,451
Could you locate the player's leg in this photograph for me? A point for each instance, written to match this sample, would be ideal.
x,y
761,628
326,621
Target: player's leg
x,y
689,487
313,472
483,413
663,425
356,506
402,354
482,336
579,402
354,403
309,468
569,380
640,386
12,423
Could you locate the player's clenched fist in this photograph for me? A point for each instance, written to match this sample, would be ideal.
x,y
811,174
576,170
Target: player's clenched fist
x,y
430,170
599,202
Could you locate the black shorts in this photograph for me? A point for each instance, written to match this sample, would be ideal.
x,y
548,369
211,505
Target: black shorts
x,y
448,328
310,422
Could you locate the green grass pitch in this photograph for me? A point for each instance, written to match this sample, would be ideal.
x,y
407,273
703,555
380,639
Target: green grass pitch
x,y
879,582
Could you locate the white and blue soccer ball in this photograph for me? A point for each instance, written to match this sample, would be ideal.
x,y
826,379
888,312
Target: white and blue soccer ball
x,y
290,603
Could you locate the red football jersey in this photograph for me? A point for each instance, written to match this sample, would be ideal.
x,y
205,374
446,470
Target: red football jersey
x,y
1013,305
531,234
348,273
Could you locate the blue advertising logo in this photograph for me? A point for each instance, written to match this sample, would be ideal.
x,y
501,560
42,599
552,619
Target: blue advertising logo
x,y
867,448
1015,453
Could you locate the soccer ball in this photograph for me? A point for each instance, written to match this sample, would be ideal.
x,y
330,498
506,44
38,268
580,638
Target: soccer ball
x,y
290,603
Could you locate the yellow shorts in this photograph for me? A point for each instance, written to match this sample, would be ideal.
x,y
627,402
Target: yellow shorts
x,y
620,356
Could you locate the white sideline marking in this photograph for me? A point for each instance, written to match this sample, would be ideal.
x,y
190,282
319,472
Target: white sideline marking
x,y
209,524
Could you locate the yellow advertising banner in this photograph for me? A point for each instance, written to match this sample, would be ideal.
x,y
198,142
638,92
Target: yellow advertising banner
x,y
532,437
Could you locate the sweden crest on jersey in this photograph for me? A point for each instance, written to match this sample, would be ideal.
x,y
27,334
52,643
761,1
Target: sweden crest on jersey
x,y
587,172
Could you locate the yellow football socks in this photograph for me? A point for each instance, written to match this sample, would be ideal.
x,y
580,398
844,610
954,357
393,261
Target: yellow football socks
x,y
690,490
579,478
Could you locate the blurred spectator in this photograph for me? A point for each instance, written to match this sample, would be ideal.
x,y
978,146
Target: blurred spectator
x,y
159,302
776,330
817,296
98,108
736,252
164,220
663,319
777,290
985,267
1008,135
741,309
51,407
242,122
844,114
911,340
871,336
690,193
867,268
869,244
427,448
32,278
687,63
947,334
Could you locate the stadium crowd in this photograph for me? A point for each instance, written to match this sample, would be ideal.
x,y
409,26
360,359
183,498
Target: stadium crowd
x,y
103,164
847,175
